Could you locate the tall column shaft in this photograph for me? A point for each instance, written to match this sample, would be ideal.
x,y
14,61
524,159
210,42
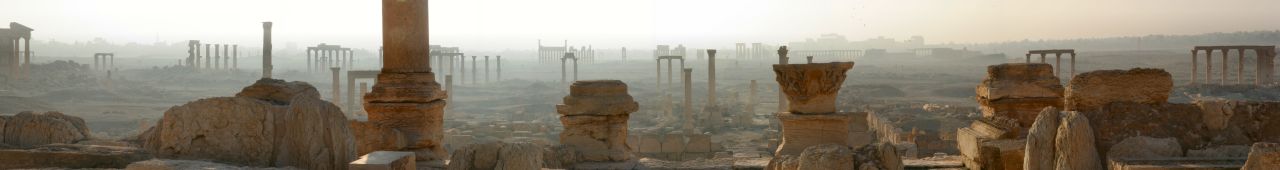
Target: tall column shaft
x,y
687,116
337,90
404,26
1224,67
499,65
1195,64
1208,66
266,50
406,96
1240,68
486,69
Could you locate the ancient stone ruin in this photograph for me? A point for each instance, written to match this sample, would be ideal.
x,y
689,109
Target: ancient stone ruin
x,y
595,119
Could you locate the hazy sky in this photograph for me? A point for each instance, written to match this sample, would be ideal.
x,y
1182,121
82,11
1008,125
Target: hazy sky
x,y
518,24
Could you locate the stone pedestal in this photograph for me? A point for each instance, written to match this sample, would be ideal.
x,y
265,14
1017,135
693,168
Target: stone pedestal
x,y
595,120
384,160
802,131
406,96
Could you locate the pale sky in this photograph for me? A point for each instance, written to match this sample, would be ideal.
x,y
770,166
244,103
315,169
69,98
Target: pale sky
x,y
638,24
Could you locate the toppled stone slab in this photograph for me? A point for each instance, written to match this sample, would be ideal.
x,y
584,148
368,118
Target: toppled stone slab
x,y
306,132
1095,89
1175,163
384,160
1040,140
29,129
1075,144
71,156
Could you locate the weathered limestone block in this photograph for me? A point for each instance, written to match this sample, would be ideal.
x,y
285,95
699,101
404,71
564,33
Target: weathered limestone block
x,y
673,144
1074,144
1040,140
1145,147
1002,154
70,157
497,155
698,143
28,129
170,164
650,143
827,156
1225,151
595,116
413,104
811,88
384,160
1263,156
1018,91
803,131
370,137
1095,89
1217,113
306,132
278,91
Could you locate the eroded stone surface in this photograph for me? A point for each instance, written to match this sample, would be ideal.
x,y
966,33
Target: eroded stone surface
x,y
1095,89
804,131
595,116
1018,91
307,132
384,160
71,156
1263,156
497,155
1040,140
29,129
1145,147
1074,144
811,88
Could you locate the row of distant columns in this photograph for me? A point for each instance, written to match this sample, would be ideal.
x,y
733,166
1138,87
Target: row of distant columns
x,y
320,58
216,56
19,66
1264,69
104,61
670,74
1057,56
475,78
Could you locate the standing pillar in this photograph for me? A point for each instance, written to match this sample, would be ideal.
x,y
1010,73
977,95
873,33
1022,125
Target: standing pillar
x,y
575,69
235,57
1223,81
782,60
1208,66
96,66
191,53
217,57
563,72
1073,67
337,90
406,96
1240,68
351,96
473,70
687,116
594,115
659,71
1195,64
462,70
812,118
266,50
808,59
310,66
1028,58
713,108
26,65
669,73
499,64
113,62
1057,67
486,69
208,58
745,119
448,87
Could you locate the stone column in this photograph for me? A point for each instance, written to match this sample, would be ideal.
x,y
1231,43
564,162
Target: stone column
x,y
669,73
594,115
473,70
499,65
811,118
1042,58
687,115
751,106
310,66
1208,66
462,70
337,89
266,50
448,86
96,61
486,69
191,53
235,57
808,59
659,71
711,78
575,69
217,56
113,62
1223,81
1240,68
1028,57
208,59
351,96
563,73
1073,67
26,65
1195,64
406,96
782,60
1057,67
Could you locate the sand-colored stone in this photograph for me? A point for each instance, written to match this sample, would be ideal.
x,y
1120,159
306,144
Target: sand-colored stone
x,y
384,160
1145,147
306,132
827,156
1018,91
595,119
811,88
698,143
171,164
1075,144
1093,90
1263,156
497,155
1040,139
370,137
1002,154
70,156
803,131
29,129
406,96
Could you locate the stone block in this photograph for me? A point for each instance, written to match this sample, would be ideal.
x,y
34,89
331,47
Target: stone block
x,y
859,139
1263,156
858,122
673,143
1002,154
650,143
67,156
1095,89
384,160
698,143
802,131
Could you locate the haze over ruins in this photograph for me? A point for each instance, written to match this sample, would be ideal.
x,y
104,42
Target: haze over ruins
x,y
576,84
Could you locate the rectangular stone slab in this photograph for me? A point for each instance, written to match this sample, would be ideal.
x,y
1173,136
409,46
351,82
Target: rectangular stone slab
x,y
384,160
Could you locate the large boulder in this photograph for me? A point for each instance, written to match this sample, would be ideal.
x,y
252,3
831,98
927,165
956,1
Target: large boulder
x,y
1095,89
1145,147
278,91
497,155
1074,144
302,131
28,129
71,156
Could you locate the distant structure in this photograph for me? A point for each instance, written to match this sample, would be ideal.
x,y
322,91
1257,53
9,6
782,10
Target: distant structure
x,y
17,47
1265,68
266,50
1057,72
327,56
547,54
